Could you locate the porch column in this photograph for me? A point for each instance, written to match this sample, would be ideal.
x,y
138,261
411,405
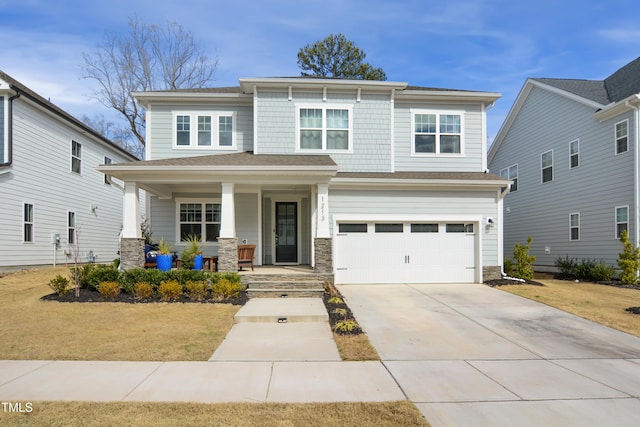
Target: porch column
x,y
227,241
131,241
323,248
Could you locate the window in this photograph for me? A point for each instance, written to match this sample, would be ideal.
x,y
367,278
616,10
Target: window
x,y
459,228
546,161
107,161
27,221
574,153
323,128
511,173
71,227
205,135
574,226
622,136
389,228
352,228
622,220
435,133
424,228
76,157
201,220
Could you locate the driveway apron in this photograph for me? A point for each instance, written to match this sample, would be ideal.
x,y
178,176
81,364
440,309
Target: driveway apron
x,y
468,354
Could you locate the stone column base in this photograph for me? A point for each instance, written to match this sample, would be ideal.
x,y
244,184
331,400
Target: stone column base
x,y
131,253
227,254
491,272
323,255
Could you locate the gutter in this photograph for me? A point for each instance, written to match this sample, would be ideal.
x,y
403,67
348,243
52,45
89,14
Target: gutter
x,y
10,130
636,171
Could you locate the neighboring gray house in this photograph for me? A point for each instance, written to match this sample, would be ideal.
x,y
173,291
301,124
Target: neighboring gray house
x,y
375,182
49,185
571,149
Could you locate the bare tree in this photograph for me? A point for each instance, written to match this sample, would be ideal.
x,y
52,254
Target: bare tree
x,y
148,57
118,133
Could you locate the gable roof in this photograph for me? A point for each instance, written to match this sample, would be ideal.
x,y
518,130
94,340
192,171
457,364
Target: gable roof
x,y
599,94
33,96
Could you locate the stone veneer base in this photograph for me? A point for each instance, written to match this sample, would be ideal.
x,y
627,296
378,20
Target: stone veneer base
x,y
131,253
323,255
227,254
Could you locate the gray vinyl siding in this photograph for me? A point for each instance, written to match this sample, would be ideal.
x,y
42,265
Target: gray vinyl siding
x,y
41,175
442,204
603,180
371,132
2,136
246,207
470,161
162,130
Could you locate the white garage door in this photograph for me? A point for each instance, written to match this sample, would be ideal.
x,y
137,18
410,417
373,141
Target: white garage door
x,y
405,253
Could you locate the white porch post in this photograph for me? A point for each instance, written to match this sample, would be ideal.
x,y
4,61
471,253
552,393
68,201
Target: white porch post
x,y
322,209
228,212
131,212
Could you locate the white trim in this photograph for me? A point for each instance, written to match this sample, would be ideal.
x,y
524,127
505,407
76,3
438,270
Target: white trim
x,y
576,154
23,222
483,125
571,227
203,202
615,137
74,228
72,156
392,102
542,181
5,119
615,220
147,133
438,114
255,119
215,130
324,107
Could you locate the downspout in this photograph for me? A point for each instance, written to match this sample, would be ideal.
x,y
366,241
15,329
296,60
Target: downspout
x,y
636,173
10,129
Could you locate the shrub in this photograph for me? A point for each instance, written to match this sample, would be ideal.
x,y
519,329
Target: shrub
x,y
586,269
129,278
567,267
196,291
602,272
109,290
508,266
225,288
628,260
102,273
60,285
523,268
170,290
347,327
336,300
82,274
184,276
143,290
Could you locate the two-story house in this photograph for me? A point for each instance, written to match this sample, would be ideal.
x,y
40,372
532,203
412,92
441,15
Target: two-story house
x,y
375,182
55,205
571,149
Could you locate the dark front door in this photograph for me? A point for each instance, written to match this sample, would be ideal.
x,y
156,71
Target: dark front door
x,y
286,232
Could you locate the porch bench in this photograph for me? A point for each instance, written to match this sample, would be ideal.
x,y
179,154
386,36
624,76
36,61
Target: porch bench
x,y
246,255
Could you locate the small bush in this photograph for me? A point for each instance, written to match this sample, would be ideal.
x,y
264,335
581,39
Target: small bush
x,y
143,290
225,288
184,276
602,272
170,290
628,260
508,266
109,290
567,267
60,285
586,269
196,291
129,278
82,274
347,327
340,312
102,273
336,300
523,268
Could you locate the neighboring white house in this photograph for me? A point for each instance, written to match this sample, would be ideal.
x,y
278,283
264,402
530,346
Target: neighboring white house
x,y
571,148
49,186
374,182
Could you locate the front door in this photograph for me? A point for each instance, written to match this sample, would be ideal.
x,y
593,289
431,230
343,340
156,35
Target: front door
x,y
287,232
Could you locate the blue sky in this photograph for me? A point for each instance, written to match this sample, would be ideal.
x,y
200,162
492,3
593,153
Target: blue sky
x,y
489,45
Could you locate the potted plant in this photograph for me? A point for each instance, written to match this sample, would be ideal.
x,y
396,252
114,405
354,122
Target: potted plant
x,y
192,255
164,259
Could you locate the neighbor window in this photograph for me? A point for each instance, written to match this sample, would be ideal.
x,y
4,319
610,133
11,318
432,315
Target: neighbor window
x,y
205,134
27,221
107,161
622,136
201,220
511,173
76,157
324,128
546,161
574,226
574,153
71,227
622,220
436,133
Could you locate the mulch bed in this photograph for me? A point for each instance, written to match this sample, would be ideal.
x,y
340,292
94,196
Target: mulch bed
x,y
633,310
334,318
505,282
88,295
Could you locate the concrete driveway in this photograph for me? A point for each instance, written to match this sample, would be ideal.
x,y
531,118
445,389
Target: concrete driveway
x,y
468,354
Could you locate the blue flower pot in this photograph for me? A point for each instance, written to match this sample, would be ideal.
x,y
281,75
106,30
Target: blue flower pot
x,y
164,262
197,262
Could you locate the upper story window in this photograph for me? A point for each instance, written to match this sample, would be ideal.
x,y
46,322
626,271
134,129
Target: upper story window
x,y
511,173
76,157
546,163
436,133
324,128
622,136
27,221
205,130
574,153
622,220
107,161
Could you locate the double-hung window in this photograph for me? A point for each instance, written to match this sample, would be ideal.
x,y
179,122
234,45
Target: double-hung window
x,y
622,136
27,221
546,164
205,130
76,157
71,227
199,219
574,153
324,128
622,220
436,133
107,161
511,173
574,226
